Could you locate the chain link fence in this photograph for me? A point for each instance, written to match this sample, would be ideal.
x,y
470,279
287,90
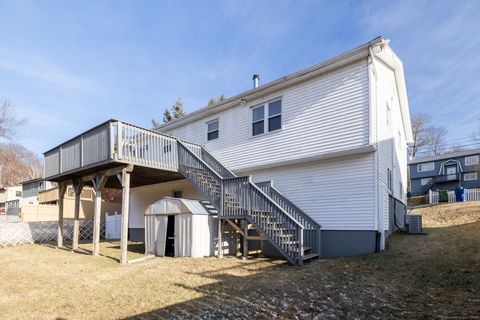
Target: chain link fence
x,y
19,233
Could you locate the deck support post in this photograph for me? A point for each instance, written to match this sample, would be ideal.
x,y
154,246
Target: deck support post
x,y
61,197
77,188
220,239
98,184
125,180
245,241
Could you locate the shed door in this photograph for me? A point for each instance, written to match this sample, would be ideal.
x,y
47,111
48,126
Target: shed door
x,y
162,222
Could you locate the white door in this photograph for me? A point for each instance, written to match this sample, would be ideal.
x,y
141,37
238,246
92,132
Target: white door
x,y
162,222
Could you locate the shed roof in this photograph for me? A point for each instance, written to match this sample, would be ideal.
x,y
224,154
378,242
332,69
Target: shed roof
x,y
170,206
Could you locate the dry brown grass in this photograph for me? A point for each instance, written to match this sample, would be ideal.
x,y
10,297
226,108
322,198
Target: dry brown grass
x,y
449,214
431,276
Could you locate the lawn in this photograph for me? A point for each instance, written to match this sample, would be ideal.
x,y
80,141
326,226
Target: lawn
x,y
431,276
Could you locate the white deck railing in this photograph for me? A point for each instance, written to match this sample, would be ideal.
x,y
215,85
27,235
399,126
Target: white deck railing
x,y
470,195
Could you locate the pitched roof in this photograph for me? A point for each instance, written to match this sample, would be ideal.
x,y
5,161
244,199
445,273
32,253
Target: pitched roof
x,y
456,154
363,51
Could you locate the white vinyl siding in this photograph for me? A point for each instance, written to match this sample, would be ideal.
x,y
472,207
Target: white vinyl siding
x,y
142,197
470,176
314,115
471,160
390,137
424,167
337,193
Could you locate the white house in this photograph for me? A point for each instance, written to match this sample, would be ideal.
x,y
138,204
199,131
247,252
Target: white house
x,y
325,146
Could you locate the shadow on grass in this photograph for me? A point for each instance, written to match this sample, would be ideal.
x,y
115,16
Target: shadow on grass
x,y
138,248
412,279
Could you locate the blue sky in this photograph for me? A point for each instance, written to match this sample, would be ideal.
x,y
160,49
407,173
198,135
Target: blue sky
x,y
67,66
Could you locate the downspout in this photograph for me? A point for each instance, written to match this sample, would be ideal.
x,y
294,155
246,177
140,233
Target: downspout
x,y
378,196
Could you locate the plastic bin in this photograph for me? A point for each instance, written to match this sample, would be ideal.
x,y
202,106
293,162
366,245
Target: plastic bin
x,y
460,194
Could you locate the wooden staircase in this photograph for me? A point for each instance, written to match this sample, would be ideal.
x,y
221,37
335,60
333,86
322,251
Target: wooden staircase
x,y
293,233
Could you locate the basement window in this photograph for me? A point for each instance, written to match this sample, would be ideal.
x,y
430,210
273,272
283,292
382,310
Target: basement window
x,y
212,130
425,181
267,117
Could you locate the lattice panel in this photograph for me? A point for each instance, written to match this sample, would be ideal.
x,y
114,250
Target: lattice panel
x,y
14,234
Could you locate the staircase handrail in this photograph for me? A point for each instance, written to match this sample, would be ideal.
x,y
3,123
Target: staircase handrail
x,y
290,203
205,152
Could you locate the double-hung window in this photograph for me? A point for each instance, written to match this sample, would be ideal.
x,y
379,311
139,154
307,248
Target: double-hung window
x,y
422,167
471,161
267,117
212,130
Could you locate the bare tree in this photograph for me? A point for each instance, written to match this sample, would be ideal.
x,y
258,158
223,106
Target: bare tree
x,y
419,129
9,121
18,164
436,139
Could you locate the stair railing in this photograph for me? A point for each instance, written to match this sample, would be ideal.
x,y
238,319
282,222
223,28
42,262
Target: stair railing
x,y
312,228
200,174
215,164
240,197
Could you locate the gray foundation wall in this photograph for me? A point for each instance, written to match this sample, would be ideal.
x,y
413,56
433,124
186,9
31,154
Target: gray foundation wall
x,y
334,244
341,243
137,234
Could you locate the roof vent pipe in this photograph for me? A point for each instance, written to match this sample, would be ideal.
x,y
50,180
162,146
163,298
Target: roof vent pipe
x,y
256,80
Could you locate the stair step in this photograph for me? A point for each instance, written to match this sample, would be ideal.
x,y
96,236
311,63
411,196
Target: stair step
x,y
310,256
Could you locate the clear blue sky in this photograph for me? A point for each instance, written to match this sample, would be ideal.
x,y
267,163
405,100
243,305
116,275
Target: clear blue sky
x,y
68,65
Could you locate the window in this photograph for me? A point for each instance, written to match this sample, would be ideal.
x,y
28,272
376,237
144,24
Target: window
x,y
471,161
470,176
267,117
389,179
178,194
212,130
422,167
18,193
425,181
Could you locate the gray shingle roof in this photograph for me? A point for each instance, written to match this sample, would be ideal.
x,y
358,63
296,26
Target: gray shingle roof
x,y
456,154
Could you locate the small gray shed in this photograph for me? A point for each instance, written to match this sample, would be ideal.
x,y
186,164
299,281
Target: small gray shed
x,y
179,227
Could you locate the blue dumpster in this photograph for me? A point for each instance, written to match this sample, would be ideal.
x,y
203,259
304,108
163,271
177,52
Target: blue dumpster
x,y
460,194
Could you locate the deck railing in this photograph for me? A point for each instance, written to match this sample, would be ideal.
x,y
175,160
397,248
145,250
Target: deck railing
x,y
115,141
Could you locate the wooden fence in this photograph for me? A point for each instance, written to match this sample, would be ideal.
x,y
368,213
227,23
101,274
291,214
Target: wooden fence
x,y
470,195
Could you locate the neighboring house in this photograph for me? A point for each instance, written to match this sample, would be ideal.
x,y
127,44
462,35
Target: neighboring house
x,y
45,205
326,146
31,188
10,200
445,172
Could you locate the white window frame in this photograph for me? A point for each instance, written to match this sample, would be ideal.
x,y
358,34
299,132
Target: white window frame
x,y
423,164
468,163
472,174
210,131
425,181
266,117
